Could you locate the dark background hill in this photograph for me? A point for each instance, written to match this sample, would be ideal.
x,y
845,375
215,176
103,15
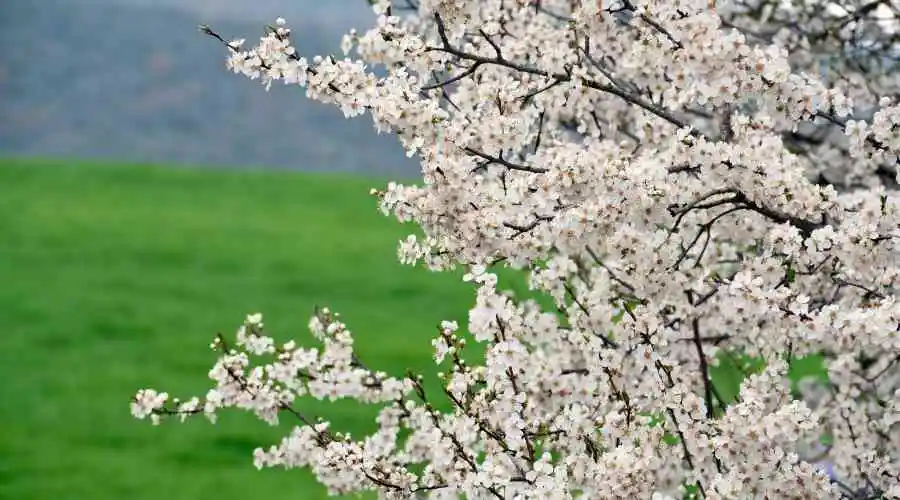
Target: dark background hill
x,y
134,80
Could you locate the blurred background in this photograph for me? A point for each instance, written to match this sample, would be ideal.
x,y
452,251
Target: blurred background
x,y
134,79
149,200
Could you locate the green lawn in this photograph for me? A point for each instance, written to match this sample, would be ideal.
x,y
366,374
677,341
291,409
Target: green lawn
x,y
116,277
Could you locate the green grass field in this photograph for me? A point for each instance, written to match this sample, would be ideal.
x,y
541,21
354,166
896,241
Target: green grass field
x,y
116,277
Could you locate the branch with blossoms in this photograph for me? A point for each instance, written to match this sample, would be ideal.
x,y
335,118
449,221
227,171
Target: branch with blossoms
x,y
665,173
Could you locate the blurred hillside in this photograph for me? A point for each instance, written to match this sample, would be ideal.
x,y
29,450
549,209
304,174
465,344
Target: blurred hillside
x,y
134,80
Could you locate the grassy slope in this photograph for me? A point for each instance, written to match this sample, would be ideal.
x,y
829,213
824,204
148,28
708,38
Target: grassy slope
x,y
115,279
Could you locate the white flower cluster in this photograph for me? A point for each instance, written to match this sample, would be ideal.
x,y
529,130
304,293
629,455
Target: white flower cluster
x,y
664,171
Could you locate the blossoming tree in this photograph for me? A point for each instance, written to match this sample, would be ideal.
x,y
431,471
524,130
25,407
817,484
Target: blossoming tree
x,y
690,181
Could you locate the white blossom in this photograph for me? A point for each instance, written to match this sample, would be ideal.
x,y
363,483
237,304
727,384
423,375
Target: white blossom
x,y
688,184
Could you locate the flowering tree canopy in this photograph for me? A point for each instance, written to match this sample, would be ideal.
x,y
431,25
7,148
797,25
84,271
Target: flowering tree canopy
x,y
689,181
